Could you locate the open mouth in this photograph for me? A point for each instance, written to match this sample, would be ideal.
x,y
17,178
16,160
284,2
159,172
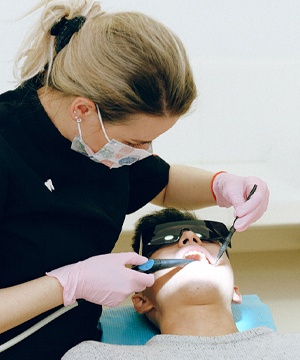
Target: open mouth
x,y
196,255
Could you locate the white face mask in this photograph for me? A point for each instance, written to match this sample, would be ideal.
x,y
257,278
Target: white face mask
x,y
114,154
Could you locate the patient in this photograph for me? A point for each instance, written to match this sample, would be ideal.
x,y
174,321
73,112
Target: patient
x,y
190,305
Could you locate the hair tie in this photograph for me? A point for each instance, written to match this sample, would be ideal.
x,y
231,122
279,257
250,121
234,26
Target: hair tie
x,y
64,30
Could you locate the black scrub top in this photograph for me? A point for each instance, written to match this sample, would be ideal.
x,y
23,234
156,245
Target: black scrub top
x,y
41,230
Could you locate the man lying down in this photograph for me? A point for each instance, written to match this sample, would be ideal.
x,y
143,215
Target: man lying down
x,y
190,305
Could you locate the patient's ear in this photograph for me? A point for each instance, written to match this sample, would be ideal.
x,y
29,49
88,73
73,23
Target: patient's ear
x,y
141,303
237,296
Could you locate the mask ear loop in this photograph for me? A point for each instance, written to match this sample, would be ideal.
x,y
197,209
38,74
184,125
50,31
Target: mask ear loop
x,y
101,123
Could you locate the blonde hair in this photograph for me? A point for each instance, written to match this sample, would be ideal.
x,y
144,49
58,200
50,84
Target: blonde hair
x,y
126,62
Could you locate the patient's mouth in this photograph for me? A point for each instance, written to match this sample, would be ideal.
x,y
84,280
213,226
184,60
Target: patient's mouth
x,y
197,255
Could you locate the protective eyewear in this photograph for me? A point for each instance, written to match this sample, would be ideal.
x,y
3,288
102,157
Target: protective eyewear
x,y
154,237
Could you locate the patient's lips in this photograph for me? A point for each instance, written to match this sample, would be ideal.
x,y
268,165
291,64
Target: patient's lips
x,y
197,255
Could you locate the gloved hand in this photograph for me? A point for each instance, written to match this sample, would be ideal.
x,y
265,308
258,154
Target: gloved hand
x,y
102,279
232,190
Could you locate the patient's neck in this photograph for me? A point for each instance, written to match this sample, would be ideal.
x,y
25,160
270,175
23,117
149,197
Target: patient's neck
x,y
198,320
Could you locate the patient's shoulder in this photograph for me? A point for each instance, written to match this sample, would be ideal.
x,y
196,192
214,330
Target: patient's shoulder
x,y
86,350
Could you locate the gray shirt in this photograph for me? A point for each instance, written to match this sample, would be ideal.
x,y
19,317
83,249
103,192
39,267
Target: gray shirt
x,y
260,344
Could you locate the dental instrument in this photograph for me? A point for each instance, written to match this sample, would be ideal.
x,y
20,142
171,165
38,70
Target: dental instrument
x,y
154,265
227,240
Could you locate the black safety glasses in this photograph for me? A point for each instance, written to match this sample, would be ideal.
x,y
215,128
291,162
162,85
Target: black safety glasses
x,y
154,237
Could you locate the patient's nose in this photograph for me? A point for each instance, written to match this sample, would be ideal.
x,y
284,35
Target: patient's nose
x,y
188,237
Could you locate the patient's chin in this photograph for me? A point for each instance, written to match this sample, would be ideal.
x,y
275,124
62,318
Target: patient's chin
x,y
189,294
196,282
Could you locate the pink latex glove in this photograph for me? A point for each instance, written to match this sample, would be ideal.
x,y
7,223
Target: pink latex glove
x,y
102,279
232,190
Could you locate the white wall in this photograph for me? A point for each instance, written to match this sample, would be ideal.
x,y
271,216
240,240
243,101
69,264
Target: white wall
x,y
246,61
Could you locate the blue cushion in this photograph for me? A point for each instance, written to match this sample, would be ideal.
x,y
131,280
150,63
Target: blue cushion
x,y
122,325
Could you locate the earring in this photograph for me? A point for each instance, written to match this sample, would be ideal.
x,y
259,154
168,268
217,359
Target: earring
x,y
78,120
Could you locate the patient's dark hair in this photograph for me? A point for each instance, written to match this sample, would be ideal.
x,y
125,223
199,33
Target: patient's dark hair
x,y
157,218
